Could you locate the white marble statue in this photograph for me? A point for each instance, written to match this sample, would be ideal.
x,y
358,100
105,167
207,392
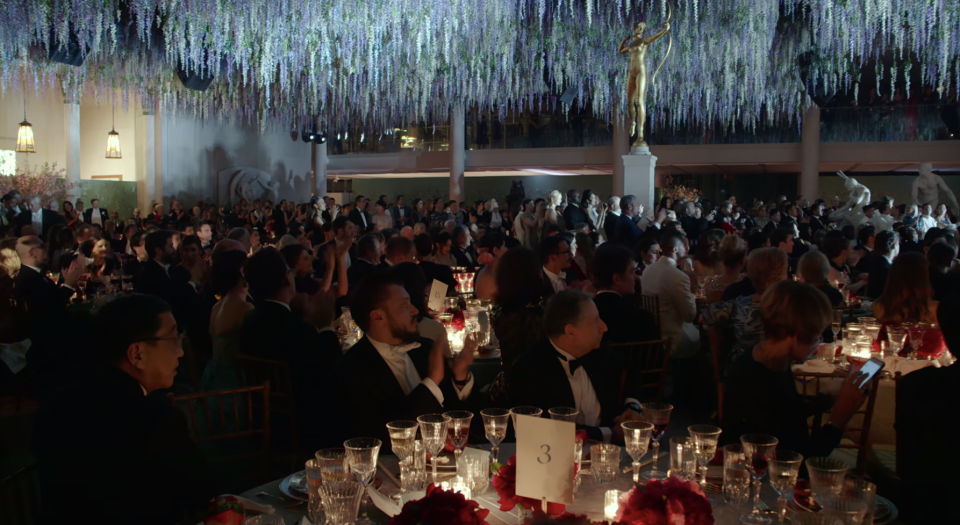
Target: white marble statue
x,y
927,188
852,210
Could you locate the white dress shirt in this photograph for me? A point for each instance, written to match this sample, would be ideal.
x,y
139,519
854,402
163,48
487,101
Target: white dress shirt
x,y
406,372
556,280
584,395
37,220
95,217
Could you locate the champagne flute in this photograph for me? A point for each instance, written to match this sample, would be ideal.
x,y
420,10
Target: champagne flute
x,y
458,431
403,434
784,467
433,430
757,448
705,439
361,454
659,415
495,421
636,437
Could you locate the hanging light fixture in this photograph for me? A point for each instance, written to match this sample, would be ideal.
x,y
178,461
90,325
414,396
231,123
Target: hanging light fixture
x,y
25,142
113,139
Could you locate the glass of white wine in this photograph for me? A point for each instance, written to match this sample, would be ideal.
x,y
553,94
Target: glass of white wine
x,y
705,439
783,466
403,434
495,421
636,437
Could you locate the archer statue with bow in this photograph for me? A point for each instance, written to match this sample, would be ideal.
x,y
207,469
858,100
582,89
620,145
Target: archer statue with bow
x,y
636,44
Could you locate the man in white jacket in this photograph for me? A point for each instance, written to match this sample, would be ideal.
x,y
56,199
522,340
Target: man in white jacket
x,y
678,305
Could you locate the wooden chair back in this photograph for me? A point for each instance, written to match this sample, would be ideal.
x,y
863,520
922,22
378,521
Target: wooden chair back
x,y
646,364
238,416
713,338
283,406
896,444
20,497
651,303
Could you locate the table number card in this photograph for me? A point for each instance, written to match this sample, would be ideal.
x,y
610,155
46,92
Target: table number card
x,y
545,449
438,291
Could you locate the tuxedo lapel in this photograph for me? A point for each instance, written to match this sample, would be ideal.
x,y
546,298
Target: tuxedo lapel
x,y
555,377
421,360
380,374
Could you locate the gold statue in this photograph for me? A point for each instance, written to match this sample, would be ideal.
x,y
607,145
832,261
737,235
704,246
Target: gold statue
x,y
637,79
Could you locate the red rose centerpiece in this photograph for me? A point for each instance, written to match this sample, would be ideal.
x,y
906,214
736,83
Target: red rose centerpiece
x,y
505,481
667,502
539,518
441,506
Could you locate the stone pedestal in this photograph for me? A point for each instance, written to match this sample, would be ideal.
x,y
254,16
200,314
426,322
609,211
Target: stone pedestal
x,y
320,169
639,178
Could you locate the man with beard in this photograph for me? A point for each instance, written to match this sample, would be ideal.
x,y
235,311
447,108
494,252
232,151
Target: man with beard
x,y
392,373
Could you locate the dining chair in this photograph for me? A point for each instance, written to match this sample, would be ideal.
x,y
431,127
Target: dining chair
x,y
717,341
283,405
20,497
646,364
651,303
232,428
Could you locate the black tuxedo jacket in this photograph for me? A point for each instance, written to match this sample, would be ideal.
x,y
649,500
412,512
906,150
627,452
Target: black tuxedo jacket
x,y
49,219
627,232
610,225
359,268
625,322
45,305
177,292
573,215
440,272
878,269
401,221
356,219
88,216
538,379
466,258
365,395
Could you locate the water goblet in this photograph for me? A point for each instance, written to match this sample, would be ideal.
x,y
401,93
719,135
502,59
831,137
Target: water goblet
x,y
683,462
495,421
433,430
523,411
340,501
784,466
705,439
636,437
659,415
413,470
362,456
757,448
458,430
826,478
736,475
403,434
564,414
332,463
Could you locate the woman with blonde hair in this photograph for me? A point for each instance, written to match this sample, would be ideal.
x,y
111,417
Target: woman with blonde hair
x,y
547,210
907,296
733,254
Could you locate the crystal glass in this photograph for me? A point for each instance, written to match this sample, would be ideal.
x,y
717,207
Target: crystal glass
x,y
605,459
856,487
341,501
314,480
362,456
402,436
413,469
332,462
636,437
757,448
577,461
826,477
523,411
564,414
898,338
784,466
683,463
471,320
458,430
852,503
495,421
705,439
475,471
836,324
659,415
702,281
433,430
736,475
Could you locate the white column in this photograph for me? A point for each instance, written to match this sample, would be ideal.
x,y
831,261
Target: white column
x,y
457,153
640,177
810,160
320,169
621,147
149,158
158,153
71,133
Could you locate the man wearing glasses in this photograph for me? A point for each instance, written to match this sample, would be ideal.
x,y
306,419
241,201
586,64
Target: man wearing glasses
x,y
555,256
134,451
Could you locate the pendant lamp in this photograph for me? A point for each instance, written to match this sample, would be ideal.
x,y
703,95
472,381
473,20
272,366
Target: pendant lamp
x,y
113,139
25,142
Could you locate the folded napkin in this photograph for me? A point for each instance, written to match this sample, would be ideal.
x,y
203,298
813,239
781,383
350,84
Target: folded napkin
x,y
15,355
903,365
814,366
385,504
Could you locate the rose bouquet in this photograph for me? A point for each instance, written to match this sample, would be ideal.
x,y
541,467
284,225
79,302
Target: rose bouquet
x,y
441,506
668,502
505,481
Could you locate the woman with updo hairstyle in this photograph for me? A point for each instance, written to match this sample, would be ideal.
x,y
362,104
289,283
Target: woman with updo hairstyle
x,y
707,260
230,288
733,254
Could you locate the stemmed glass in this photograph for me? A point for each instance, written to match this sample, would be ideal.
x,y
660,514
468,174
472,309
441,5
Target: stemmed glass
x,y
636,437
495,421
757,449
826,478
458,431
898,338
362,456
524,411
564,414
835,325
784,467
657,414
702,281
403,435
705,439
433,430
332,465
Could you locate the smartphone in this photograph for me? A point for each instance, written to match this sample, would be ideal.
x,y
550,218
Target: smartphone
x,y
871,368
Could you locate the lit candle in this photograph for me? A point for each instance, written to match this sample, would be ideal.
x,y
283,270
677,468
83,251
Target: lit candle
x,y
611,502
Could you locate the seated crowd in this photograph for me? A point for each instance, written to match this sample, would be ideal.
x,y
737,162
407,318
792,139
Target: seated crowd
x,y
568,277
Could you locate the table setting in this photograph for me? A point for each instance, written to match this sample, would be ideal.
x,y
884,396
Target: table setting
x,y
441,478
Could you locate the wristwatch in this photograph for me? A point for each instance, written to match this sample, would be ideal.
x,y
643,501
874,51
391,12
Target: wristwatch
x,y
463,383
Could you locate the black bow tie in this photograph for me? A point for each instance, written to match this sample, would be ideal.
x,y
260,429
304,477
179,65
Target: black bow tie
x,y
574,364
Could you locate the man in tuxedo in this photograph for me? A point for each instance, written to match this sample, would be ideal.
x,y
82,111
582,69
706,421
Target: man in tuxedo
x,y
555,258
96,214
392,373
401,213
886,249
613,215
358,216
462,251
678,305
9,211
154,276
368,258
272,330
39,217
205,232
627,232
573,214
399,250
431,270
106,426
562,372
616,283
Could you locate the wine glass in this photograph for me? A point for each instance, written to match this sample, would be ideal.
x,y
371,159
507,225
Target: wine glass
x,y
702,281
784,467
495,421
898,338
705,439
826,478
757,448
403,434
332,465
458,431
433,430
564,414
636,438
837,322
659,415
524,411
362,462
